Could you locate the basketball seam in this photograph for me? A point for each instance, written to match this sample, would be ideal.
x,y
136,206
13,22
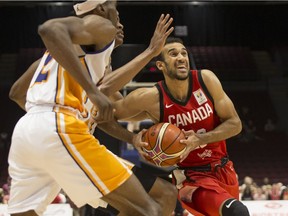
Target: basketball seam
x,y
163,134
157,155
148,138
172,142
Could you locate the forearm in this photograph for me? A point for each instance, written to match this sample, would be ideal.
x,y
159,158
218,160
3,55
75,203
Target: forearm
x,y
116,130
115,81
18,93
21,102
225,130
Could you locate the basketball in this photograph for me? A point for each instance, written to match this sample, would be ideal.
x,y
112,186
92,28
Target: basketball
x,y
164,147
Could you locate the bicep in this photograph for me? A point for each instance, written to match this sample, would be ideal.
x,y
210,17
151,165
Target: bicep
x,y
223,105
91,29
225,108
132,106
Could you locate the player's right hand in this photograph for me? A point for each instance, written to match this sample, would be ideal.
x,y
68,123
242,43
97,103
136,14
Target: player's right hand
x,y
104,107
192,142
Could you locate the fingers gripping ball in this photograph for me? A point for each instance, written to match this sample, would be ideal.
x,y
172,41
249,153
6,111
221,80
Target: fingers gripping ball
x,y
164,147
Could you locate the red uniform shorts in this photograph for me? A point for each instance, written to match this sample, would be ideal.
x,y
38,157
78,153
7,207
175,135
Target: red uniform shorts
x,y
204,192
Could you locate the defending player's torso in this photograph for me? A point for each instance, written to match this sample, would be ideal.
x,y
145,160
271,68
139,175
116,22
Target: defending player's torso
x,y
196,113
52,85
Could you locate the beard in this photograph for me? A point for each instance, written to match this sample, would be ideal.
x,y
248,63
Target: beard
x,y
172,73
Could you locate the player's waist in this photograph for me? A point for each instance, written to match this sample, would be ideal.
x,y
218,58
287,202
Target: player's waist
x,y
55,108
208,167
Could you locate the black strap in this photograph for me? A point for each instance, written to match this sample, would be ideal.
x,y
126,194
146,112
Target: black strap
x,y
204,168
207,167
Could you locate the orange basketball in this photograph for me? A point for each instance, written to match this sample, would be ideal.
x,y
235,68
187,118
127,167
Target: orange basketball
x,y
164,147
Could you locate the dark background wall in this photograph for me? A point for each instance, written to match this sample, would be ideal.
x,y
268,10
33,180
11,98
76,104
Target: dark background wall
x,y
251,25
248,24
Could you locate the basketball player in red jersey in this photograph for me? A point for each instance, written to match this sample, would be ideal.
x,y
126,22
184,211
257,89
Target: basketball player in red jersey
x,y
195,102
157,188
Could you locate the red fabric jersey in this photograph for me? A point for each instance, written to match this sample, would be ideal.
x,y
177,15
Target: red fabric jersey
x,y
196,113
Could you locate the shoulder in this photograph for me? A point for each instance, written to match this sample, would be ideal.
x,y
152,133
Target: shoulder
x,y
82,25
209,78
207,74
89,19
87,30
212,84
61,20
94,19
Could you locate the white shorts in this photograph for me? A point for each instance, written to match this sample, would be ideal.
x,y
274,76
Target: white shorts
x,y
50,151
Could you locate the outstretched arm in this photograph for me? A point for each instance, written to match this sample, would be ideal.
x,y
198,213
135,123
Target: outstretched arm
x,y
120,77
19,88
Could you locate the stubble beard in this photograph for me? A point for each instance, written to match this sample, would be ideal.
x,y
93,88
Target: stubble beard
x,y
172,73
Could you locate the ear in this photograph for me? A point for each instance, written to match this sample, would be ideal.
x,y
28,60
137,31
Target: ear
x,y
160,65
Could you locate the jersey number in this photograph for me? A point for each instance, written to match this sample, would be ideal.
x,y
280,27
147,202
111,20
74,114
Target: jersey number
x,y
43,75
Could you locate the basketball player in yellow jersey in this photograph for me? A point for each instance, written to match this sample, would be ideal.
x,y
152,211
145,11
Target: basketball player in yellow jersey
x,y
160,190
51,145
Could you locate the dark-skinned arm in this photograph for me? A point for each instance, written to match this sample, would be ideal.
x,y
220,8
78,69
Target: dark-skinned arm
x,y
116,130
115,81
91,29
19,89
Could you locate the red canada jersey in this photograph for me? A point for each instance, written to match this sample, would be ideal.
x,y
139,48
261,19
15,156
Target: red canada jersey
x,y
196,113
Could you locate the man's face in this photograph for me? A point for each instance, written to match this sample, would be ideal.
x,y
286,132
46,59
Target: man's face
x,y
176,61
119,39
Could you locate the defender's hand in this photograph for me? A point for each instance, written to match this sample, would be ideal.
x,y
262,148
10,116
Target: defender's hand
x,y
104,108
160,34
138,143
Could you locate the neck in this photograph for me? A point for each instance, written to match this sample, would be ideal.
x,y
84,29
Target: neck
x,y
178,88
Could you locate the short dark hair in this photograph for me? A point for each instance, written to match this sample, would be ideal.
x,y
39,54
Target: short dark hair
x,y
173,40
169,40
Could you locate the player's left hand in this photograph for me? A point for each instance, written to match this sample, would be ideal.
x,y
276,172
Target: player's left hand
x,y
138,143
162,31
192,142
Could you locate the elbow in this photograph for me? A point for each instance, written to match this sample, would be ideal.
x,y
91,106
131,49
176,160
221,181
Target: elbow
x,y
18,96
238,126
43,30
48,29
12,94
